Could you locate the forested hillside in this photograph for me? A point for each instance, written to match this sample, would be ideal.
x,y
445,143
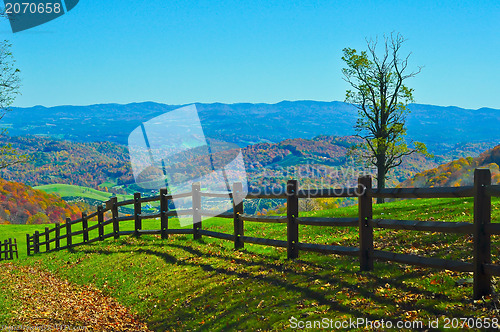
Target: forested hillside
x,y
21,204
458,172
56,161
106,166
320,162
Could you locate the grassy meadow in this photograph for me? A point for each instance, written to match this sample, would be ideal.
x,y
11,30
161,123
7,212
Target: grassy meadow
x,y
183,284
68,190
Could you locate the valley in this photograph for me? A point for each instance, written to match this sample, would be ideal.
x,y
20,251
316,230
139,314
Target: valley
x,y
90,173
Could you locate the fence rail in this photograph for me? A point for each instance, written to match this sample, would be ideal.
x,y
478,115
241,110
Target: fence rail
x,y
7,249
481,228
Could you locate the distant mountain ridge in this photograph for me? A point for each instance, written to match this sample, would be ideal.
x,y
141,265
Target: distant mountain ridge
x,y
245,123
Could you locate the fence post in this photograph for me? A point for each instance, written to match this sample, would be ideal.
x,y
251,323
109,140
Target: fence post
x,y
9,250
163,213
2,253
15,245
36,241
292,212
47,235
114,211
237,211
482,240
365,214
58,234
69,240
137,213
100,220
28,249
196,210
85,228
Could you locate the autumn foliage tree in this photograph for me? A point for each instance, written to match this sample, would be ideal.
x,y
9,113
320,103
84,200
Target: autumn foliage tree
x,y
379,92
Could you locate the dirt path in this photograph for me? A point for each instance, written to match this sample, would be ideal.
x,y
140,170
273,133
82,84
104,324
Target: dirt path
x,y
53,304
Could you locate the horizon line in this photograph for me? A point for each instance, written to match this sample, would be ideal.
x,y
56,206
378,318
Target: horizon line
x,y
236,103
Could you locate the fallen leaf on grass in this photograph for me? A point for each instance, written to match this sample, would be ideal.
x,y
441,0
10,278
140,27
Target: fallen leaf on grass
x,y
48,300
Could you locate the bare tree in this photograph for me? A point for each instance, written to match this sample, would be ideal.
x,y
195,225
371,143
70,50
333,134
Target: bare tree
x,y
381,97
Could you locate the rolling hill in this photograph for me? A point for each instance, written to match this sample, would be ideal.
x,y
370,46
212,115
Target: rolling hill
x,y
21,204
459,172
68,190
53,161
105,166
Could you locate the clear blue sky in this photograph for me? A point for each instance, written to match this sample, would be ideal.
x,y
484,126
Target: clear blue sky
x,y
180,51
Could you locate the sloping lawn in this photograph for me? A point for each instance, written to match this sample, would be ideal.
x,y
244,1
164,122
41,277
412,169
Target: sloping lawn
x,y
182,284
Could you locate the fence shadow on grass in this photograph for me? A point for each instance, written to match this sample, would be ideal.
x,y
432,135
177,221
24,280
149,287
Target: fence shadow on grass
x,y
294,282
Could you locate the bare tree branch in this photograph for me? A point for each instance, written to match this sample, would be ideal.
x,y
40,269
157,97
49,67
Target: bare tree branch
x,y
9,89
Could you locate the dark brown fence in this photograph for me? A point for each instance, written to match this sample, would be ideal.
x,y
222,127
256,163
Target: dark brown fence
x,y
7,250
481,228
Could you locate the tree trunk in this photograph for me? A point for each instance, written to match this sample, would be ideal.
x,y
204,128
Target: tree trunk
x,y
381,172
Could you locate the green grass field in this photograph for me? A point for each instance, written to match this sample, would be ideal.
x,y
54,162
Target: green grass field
x,y
183,284
67,190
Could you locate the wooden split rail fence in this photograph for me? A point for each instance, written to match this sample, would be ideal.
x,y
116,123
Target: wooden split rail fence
x,y
7,250
481,228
